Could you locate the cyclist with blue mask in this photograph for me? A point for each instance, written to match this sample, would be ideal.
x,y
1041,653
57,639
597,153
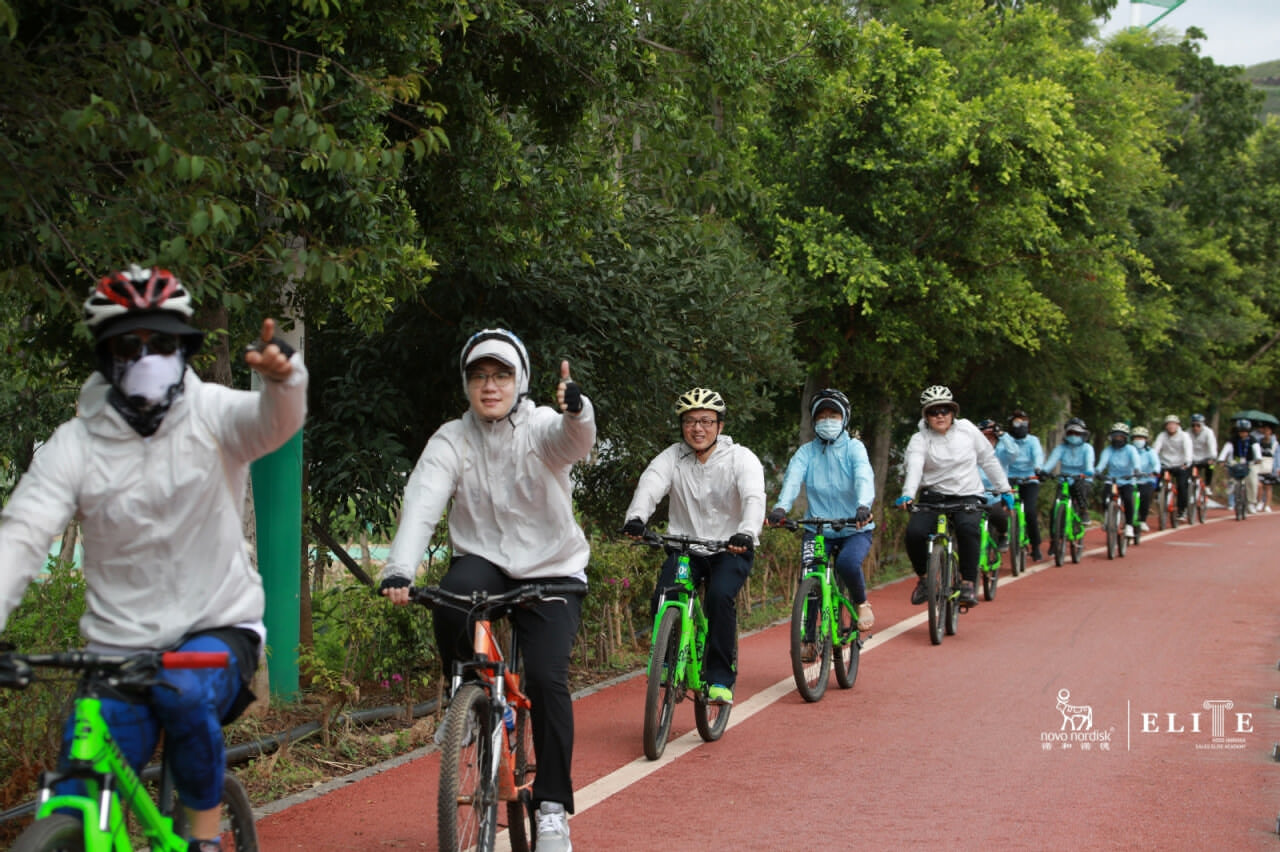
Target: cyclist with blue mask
x,y
1120,460
1148,472
1075,457
997,512
838,482
1022,455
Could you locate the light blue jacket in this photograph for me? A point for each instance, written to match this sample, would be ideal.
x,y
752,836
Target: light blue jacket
x,y
1122,464
1020,457
1076,461
837,479
1148,461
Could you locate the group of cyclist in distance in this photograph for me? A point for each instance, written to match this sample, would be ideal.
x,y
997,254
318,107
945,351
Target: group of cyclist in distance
x,y
155,466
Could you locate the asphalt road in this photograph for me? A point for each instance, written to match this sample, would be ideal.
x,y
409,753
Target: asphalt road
x,y
1165,663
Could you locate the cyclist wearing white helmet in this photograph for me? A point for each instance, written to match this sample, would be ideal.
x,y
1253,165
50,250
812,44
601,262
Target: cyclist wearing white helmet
x,y
1204,448
1176,453
942,462
838,482
155,466
1121,461
502,471
1148,471
716,491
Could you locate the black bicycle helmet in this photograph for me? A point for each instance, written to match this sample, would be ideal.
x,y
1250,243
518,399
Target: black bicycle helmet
x,y
830,398
135,298
1075,426
1244,425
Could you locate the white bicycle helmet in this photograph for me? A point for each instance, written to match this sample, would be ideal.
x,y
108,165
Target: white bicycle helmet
x,y
1141,432
137,298
1121,428
700,398
937,395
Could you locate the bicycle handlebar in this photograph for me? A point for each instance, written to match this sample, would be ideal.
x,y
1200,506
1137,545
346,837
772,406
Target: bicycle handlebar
x,y
835,524
685,542
139,669
479,599
965,504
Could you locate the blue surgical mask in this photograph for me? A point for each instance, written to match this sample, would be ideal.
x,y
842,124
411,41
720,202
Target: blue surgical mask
x,y
828,428
1075,440
1140,443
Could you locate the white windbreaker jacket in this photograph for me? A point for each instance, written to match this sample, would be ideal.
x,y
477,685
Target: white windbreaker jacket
x,y
512,498
164,549
947,462
712,499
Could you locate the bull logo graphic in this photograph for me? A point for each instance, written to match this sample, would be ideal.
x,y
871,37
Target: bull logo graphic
x,y
1077,717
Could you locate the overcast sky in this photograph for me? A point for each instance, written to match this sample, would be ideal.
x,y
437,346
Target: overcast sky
x,y
1240,32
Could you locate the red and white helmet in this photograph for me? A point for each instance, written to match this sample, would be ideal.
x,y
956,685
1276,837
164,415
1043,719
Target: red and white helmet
x,y
136,298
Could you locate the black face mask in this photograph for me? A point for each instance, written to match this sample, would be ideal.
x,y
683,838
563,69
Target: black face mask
x,y
1119,442
1018,431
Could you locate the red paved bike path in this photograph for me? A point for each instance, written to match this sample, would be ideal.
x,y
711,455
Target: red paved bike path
x,y
951,746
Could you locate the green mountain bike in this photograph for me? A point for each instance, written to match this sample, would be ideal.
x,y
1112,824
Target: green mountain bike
x,y
942,572
115,791
824,621
677,651
1066,528
989,558
1019,540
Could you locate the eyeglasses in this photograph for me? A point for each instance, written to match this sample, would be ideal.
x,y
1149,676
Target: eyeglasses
x,y
937,412
131,345
704,422
501,378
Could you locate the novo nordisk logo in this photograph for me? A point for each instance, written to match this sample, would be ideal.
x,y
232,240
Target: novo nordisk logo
x,y
1077,729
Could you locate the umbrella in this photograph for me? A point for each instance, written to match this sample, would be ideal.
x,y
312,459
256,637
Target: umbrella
x,y
1256,416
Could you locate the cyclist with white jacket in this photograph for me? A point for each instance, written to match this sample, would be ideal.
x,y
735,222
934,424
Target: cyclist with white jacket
x,y
1177,453
155,467
502,470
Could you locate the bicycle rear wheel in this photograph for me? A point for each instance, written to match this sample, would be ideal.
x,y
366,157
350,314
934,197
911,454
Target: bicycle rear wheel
x,y
810,651
660,696
54,833
467,802
712,719
847,652
1017,551
936,596
239,831
1058,532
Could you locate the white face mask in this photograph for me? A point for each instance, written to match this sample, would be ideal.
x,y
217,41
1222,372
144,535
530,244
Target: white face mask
x,y
828,428
1140,443
151,376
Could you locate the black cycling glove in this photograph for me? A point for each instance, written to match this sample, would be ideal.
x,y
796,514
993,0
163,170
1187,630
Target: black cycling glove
x,y
633,527
394,582
572,397
862,515
741,540
777,516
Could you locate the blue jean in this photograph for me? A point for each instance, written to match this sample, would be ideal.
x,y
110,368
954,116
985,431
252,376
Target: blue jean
x,y
850,552
190,717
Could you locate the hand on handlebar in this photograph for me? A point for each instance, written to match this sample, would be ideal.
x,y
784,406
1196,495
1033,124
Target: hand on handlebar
x,y
862,517
633,528
740,543
395,589
902,502
777,517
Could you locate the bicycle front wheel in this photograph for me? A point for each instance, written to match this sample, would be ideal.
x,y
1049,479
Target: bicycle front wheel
x,y
521,761
936,593
239,831
467,804
847,652
660,696
1058,529
810,646
712,719
54,833
1242,500
1112,523
1017,552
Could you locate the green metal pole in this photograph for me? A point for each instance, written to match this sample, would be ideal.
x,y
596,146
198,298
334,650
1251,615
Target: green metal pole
x,y
277,500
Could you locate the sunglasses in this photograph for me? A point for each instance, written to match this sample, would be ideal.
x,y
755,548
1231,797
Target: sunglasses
x,y
132,345
937,412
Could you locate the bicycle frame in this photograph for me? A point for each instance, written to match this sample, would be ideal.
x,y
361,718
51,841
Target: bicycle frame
x,y
822,568
693,626
1072,532
503,686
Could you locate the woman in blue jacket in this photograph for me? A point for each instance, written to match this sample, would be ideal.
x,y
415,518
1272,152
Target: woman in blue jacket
x,y
1021,455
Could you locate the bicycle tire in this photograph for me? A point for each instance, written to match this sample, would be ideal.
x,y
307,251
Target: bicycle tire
x,y
1171,508
660,695
847,653
54,833
1202,500
1112,526
467,802
241,832
1017,551
811,676
934,595
1077,548
1122,539
951,606
1058,533
1242,500
520,816
712,719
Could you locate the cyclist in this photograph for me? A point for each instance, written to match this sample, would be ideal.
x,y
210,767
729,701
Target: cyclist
x,y
1176,453
838,482
155,466
1022,455
1121,460
716,490
1075,458
997,513
1204,448
942,462
502,470
1268,444
1148,472
1244,447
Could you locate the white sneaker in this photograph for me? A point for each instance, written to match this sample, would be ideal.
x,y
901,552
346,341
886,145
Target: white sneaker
x,y
1143,526
1266,507
866,618
553,828
1128,530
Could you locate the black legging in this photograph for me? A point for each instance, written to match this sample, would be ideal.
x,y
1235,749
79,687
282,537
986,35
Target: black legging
x,y
1181,476
1029,492
967,527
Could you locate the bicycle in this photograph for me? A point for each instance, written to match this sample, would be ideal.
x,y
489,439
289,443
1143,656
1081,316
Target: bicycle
x,y
1066,529
1019,541
1239,471
942,576
678,646
485,753
1113,520
1167,501
1198,499
989,558
114,790
824,622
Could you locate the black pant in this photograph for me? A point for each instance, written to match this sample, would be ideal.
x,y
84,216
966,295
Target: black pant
x,y
545,633
1030,494
1145,492
1182,476
966,526
725,573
